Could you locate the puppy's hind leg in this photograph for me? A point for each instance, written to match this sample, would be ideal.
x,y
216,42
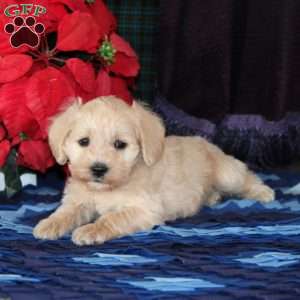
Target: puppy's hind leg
x,y
234,178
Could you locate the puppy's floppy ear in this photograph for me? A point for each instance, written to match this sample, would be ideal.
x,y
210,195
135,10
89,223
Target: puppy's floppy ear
x,y
60,128
151,132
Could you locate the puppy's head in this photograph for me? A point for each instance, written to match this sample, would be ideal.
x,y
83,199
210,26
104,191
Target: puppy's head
x,y
104,139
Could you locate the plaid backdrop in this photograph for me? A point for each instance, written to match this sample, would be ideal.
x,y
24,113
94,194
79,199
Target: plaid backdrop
x,y
138,24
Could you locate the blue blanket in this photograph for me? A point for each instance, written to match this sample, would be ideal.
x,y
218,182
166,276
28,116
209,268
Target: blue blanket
x,y
239,249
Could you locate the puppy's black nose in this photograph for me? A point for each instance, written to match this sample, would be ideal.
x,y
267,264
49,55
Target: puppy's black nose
x,y
99,169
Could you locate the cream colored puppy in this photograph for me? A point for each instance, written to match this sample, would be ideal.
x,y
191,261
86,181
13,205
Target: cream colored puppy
x,y
127,176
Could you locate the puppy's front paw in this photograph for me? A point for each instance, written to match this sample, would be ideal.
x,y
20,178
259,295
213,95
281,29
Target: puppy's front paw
x,y
265,194
87,235
49,229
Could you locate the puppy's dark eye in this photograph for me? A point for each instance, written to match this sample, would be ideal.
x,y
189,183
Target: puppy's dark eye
x,y
84,142
119,145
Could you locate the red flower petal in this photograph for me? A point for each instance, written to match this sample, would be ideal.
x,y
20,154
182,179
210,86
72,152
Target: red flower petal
x,y
83,73
78,90
5,46
15,115
4,151
55,12
121,45
127,66
78,31
45,92
66,171
126,61
2,133
103,84
37,66
104,18
15,141
73,4
98,10
35,155
120,89
14,66
107,85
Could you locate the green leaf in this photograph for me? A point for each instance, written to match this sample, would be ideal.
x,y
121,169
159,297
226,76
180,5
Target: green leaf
x,y
11,173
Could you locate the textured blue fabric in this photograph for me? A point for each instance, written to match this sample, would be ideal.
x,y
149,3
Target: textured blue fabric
x,y
239,249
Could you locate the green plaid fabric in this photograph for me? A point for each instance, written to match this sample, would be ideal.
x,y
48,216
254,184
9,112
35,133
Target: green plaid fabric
x,y
138,24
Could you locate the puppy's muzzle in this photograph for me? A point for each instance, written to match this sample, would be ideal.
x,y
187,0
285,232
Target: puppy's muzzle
x,y
98,170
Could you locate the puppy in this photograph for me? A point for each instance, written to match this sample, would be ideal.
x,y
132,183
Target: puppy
x,y
126,176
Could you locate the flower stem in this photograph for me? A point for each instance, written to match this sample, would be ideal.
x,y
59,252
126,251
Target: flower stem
x,y
56,59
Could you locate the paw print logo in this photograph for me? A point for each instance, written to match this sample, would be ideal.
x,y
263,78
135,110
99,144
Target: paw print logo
x,y
24,31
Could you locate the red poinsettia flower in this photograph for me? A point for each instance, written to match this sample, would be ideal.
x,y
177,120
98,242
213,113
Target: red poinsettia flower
x,y
55,12
85,26
14,66
126,61
105,20
82,77
45,92
72,5
35,155
14,113
78,31
2,133
36,82
83,73
111,85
